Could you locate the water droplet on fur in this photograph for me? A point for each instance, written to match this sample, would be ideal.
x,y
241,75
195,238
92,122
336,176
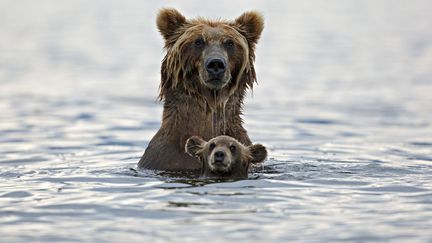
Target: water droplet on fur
x,y
224,116
218,115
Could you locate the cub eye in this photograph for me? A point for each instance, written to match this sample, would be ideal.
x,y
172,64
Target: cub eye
x,y
232,148
199,42
212,146
229,44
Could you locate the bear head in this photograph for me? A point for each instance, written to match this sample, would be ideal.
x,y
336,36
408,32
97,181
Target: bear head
x,y
224,157
208,58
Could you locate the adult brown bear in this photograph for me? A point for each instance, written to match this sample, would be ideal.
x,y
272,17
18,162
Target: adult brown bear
x,y
204,77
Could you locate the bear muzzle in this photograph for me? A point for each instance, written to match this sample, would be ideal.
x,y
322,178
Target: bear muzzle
x,y
216,73
220,161
219,157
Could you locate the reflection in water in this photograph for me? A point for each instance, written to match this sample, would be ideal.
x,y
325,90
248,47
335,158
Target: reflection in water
x,y
343,105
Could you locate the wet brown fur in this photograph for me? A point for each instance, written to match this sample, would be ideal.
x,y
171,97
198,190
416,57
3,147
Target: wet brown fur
x,y
189,106
239,160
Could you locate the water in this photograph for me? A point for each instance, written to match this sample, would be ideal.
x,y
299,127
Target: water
x,y
343,105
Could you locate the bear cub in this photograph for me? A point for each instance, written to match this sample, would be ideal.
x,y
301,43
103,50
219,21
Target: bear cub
x,y
224,157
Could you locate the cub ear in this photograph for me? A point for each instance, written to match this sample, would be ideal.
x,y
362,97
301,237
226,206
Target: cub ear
x,y
168,21
258,153
251,24
194,145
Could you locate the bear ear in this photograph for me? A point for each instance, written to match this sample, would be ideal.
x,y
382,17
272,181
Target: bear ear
x,y
251,24
194,145
258,153
168,21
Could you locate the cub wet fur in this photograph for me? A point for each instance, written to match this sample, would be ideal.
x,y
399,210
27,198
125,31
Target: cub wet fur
x,y
224,157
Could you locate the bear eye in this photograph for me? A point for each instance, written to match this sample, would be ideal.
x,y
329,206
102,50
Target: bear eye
x,y
229,44
212,146
199,42
232,148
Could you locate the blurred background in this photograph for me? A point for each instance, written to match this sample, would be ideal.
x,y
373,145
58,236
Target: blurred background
x,y
343,103
100,48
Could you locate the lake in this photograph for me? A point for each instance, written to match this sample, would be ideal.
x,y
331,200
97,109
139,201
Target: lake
x,y
343,105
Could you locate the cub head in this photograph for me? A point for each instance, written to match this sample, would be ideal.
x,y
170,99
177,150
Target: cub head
x,y
224,156
206,57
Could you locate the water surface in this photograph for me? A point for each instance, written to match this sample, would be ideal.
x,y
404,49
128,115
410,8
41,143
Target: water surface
x,y
343,105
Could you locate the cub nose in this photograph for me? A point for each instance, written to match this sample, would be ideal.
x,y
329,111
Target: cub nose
x,y
219,156
215,66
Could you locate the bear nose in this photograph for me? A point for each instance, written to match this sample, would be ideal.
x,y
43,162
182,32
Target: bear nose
x,y
219,156
215,66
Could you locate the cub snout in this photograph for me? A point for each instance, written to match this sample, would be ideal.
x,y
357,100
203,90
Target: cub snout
x,y
218,157
220,160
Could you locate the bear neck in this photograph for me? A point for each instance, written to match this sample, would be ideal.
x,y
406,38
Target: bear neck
x,y
187,114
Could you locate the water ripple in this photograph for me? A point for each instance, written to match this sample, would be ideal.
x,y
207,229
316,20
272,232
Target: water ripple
x,y
343,106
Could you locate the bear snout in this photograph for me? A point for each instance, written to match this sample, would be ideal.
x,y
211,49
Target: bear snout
x,y
220,161
215,67
216,72
219,157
